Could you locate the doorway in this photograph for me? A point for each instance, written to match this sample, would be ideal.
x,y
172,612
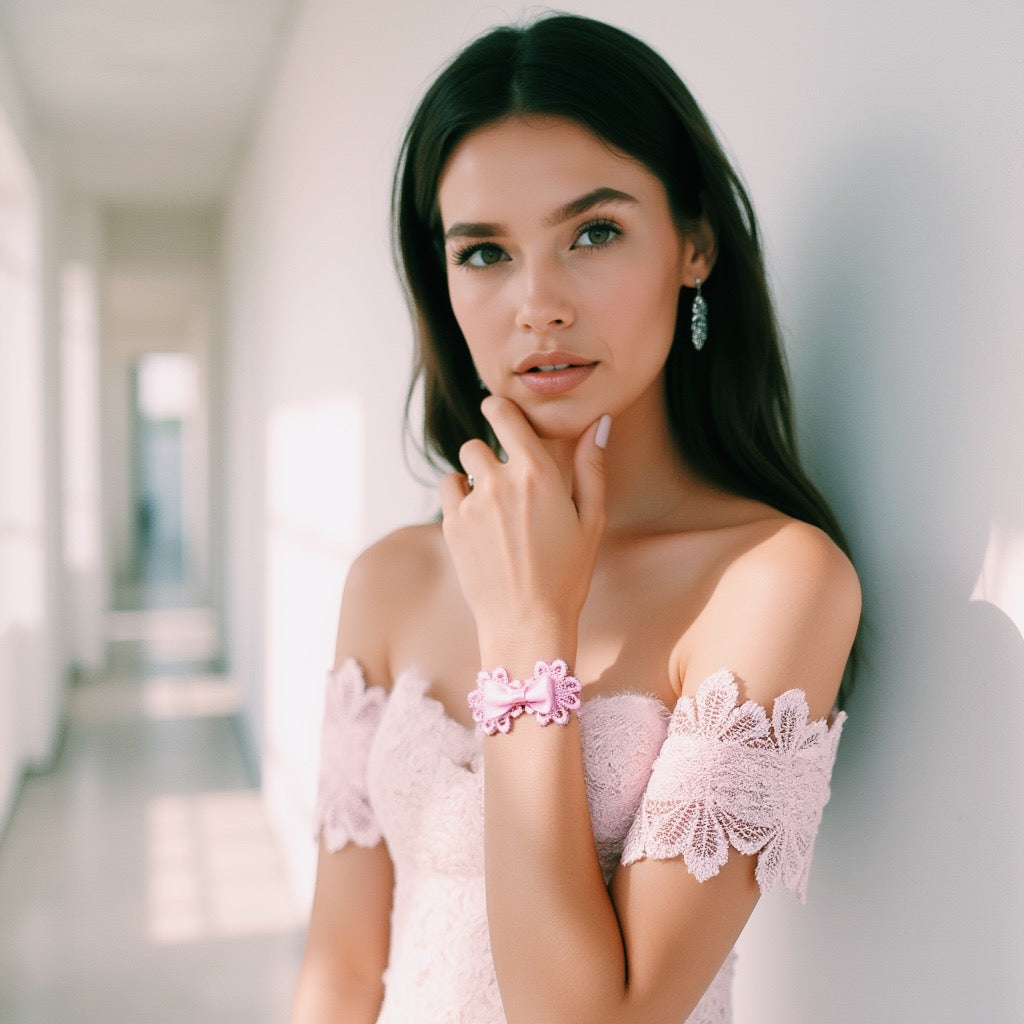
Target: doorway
x,y
164,402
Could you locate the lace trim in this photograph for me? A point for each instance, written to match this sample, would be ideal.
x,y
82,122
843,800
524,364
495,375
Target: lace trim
x,y
352,712
727,776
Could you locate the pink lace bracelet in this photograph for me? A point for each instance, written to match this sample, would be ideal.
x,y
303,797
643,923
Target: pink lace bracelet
x,y
549,695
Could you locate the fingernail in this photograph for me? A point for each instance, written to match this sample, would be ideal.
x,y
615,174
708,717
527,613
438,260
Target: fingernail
x,y
604,426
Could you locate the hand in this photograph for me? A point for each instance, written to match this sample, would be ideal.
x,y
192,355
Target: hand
x,y
523,540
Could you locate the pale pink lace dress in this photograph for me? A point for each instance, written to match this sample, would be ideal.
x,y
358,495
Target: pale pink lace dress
x,y
712,775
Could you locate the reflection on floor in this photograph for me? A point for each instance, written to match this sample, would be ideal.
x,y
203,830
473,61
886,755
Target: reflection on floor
x,y
138,880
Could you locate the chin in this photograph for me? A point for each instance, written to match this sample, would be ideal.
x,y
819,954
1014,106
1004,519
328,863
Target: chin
x,y
549,426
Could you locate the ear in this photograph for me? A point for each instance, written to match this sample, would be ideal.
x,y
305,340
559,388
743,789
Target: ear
x,y
700,248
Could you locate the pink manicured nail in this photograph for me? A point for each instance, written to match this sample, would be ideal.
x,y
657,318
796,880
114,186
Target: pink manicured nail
x,y
604,426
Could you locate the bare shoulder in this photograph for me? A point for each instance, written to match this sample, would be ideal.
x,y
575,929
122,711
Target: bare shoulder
x,y
783,615
799,557
389,579
412,553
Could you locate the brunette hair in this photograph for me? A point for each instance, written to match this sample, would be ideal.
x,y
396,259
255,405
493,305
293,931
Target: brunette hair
x,y
728,405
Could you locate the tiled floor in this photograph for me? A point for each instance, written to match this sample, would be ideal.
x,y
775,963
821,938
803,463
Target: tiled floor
x,y
139,881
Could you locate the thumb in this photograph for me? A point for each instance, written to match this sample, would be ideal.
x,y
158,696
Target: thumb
x,y
588,472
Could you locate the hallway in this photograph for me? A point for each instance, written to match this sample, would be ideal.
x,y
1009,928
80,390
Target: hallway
x,y
139,880
146,872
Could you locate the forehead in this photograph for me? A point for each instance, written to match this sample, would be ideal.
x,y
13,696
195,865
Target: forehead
x,y
533,163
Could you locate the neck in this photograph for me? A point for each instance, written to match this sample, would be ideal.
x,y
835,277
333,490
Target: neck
x,y
648,486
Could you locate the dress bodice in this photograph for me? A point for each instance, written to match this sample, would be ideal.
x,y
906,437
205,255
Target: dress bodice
x,y
712,776
425,783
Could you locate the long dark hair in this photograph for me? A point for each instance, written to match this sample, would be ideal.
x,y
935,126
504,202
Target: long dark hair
x,y
728,405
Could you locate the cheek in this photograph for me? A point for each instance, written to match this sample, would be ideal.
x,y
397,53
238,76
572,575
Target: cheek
x,y
665,284
644,303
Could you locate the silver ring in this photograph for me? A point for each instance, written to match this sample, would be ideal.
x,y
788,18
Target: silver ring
x,y
470,481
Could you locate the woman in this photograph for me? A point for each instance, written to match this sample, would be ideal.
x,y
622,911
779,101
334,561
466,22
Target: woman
x,y
626,530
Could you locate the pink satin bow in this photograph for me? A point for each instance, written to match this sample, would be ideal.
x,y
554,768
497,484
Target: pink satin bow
x,y
550,694
506,696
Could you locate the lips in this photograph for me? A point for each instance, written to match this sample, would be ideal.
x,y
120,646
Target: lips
x,y
549,362
554,373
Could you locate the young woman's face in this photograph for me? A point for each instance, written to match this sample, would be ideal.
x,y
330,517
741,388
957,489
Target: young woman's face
x,y
564,267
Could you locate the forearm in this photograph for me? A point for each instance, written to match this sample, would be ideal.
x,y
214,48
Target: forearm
x,y
326,995
525,540
557,947
556,943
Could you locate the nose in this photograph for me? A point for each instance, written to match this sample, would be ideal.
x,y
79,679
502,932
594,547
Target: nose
x,y
545,303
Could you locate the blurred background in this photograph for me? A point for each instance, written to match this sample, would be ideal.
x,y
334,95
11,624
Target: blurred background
x,y
203,364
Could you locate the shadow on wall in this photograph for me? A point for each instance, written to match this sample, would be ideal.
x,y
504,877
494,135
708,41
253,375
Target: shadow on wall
x,y
910,393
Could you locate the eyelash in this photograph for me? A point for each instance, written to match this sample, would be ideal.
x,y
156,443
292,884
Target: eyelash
x,y
603,225
461,257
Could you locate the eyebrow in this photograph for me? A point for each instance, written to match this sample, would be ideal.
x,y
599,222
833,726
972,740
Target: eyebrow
x,y
573,208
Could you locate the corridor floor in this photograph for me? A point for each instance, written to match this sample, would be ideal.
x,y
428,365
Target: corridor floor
x,y
139,881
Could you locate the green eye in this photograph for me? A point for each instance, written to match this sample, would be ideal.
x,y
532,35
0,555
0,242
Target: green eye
x,y
479,255
485,256
595,235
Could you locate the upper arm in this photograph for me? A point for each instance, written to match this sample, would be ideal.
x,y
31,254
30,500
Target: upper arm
x,y
386,590
349,929
783,616
353,902
347,942
362,632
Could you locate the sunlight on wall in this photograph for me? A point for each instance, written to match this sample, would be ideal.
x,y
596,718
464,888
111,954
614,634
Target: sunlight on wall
x,y
314,470
314,498
24,693
214,869
314,456
79,358
81,474
21,421
1001,581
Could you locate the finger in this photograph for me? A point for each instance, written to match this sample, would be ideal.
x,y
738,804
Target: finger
x,y
477,459
588,479
510,426
451,490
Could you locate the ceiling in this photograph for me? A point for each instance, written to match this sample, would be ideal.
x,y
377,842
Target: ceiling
x,y
145,101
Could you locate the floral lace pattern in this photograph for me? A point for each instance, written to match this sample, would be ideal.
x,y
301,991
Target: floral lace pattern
x,y
727,776
352,712
711,775
426,785
621,738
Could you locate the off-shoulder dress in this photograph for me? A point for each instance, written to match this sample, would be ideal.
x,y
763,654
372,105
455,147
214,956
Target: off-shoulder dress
x,y
713,774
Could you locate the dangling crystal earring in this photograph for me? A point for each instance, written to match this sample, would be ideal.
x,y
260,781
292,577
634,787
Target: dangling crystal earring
x,y
699,318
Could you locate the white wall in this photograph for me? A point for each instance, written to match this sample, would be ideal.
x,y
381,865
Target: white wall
x,y
32,656
85,595
315,368
882,147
